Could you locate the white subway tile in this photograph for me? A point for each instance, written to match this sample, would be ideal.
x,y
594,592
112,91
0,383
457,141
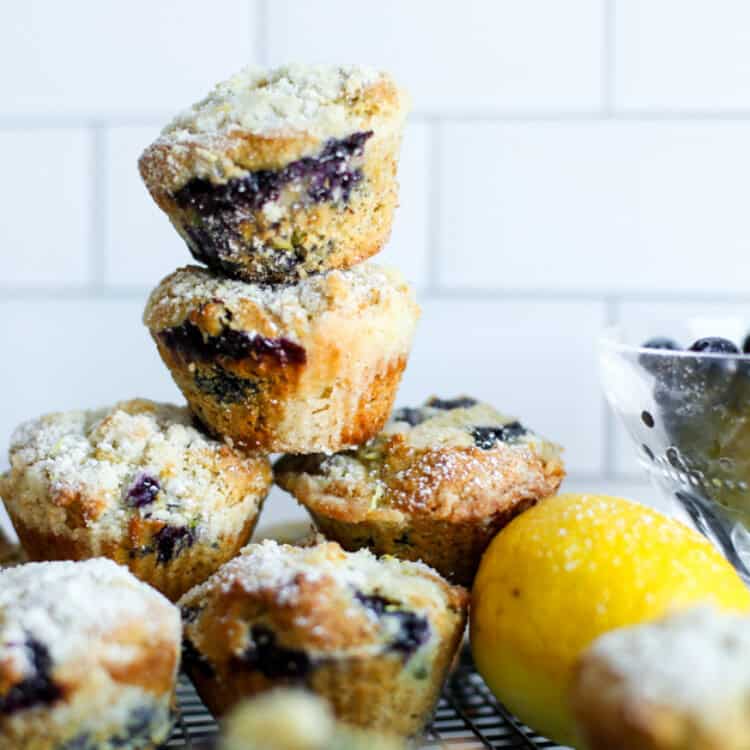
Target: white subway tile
x,y
532,359
46,194
685,322
595,206
75,353
409,245
86,57
476,55
141,245
673,55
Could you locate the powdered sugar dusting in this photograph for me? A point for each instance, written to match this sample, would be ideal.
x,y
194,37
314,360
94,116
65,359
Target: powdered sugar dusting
x,y
278,568
64,605
295,98
290,305
697,661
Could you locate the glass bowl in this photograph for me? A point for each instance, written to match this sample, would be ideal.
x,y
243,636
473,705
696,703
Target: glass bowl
x,y
688,414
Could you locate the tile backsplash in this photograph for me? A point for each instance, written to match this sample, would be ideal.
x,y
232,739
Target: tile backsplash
x,y
568,164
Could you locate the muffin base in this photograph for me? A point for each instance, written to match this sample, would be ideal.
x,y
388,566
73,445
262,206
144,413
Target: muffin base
x,y
145,725
453,548
191,566
378,692
287,409
292,236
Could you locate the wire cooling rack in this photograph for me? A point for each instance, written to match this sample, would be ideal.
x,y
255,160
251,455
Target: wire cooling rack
x,y
467,717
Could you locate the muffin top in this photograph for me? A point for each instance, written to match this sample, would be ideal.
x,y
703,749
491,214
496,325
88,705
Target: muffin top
x,y
67,614
293,719
214,304
323,600
451,458
696,661
137,460
322,100
261,119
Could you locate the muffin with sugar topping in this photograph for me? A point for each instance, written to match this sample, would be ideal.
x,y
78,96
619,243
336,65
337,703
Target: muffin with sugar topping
x,y
88,658
138,483
298,368
374,637
293,719
278,174
435,485
10,552
682,683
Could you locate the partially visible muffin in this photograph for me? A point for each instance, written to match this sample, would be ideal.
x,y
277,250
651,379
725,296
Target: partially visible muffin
x,y
375,637
88,658
435,485
10,552
293,719
682,683
138,483
297,368
281,173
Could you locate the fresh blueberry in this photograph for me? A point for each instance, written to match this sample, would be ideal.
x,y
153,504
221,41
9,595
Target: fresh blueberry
x,y
36,689
143,491
746,344
486,437
714,345
171,541
411,416
271,660
655,363
463,402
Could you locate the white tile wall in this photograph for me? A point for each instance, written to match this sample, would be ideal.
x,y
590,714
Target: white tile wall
x,y
45,234
678,55
479,55
82,57
139,244
568,161
595,206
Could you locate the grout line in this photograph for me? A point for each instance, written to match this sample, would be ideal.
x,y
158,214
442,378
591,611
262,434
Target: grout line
x,y
262,32
434,195
98,203
98,293
676,116
585,295
609,51
609,426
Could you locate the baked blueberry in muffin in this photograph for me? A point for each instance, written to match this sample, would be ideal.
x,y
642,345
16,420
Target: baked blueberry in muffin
x,y
375,637
277,174
435,485
677,684
303,367
138,483
88,658
294,719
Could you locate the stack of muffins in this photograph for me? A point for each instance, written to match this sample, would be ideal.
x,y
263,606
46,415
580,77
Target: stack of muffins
x,y
282,183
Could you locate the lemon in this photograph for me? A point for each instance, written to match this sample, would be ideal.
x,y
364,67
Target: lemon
x,y
568,570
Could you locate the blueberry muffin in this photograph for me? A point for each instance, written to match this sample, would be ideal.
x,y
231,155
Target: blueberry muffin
x,y
10,552
297,368
375,637
679,684
279,174
435,485
88,658
292,719
137,483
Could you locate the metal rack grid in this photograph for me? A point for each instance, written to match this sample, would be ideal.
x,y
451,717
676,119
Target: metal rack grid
x,y
467,717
